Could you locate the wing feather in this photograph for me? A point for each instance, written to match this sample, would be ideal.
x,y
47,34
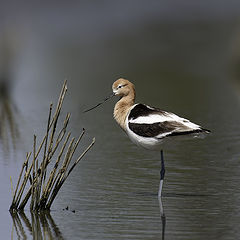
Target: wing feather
x,y
152,122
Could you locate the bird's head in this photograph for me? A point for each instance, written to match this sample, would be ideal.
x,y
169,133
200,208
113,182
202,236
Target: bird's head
x,y
122,87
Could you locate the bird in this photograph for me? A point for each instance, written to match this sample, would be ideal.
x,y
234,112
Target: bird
x,y
146,126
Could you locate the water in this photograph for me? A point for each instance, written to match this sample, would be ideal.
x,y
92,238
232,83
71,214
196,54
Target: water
x,y
186,62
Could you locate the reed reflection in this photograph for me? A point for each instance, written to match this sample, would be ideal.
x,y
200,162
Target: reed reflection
x,y
9,133
40,226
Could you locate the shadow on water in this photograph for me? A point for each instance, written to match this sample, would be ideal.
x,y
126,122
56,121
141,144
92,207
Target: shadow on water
x,y
40,226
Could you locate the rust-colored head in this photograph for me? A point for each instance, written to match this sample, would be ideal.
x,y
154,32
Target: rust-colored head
x,y
122,87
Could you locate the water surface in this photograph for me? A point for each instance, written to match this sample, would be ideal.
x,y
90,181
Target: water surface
x,y
184,62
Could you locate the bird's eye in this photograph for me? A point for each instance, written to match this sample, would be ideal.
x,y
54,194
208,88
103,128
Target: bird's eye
x,y
121,86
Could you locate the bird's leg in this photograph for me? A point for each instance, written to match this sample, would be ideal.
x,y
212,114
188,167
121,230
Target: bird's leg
x,y
162,173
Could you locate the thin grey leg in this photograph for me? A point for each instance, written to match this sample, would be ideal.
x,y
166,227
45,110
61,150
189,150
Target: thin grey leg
x,y
162,173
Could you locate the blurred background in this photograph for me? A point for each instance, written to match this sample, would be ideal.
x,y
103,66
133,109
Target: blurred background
x,y
182,56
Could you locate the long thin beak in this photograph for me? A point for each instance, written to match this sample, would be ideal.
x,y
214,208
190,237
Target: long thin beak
x,y
112,95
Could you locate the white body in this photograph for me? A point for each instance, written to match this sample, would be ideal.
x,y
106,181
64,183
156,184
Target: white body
x,y
153,143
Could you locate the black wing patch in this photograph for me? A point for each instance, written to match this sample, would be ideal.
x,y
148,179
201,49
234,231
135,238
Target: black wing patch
x,y
141,110
167,128
151,130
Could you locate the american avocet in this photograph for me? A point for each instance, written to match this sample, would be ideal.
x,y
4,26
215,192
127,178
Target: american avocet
x,y
147,126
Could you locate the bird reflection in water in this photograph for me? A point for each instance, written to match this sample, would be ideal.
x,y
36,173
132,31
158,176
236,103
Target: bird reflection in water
x,y
163,217
41,226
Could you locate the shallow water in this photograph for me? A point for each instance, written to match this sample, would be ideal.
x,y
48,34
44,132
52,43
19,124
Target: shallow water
x,y
186,63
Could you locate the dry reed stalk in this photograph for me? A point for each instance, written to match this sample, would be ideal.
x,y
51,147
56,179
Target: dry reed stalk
x,y
33,173
61,135
44,184
61,179
19,179
44,162
25,179
51,182
11,186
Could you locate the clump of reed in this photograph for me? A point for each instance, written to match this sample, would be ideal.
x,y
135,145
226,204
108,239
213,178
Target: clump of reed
x,y
55,146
